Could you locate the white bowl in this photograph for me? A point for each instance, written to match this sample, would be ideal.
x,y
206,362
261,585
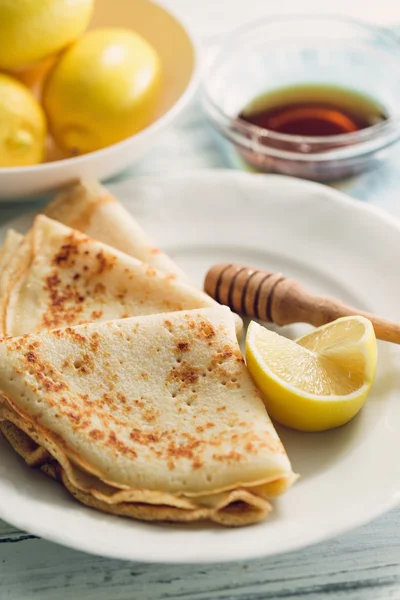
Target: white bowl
x,y
179,56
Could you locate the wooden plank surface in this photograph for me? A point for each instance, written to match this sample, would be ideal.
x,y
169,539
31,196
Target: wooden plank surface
x,y
362,565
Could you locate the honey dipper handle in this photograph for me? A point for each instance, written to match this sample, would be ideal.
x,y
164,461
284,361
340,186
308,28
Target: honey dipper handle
x,y
274,298
292,303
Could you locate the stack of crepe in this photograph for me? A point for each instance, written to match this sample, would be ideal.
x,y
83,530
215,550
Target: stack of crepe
x,y
124,382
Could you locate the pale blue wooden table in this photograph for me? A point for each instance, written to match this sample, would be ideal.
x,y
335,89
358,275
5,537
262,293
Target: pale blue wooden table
x,y
361,565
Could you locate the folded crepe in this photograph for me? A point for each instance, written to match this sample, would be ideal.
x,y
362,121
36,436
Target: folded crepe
x,y
90,208
152,417
58,276
9,247
8,251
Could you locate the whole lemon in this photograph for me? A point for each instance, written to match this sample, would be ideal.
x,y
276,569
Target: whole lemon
x,y
33,29
104,89
22,125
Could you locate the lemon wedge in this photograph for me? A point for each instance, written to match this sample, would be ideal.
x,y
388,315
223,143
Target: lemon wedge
x,y
321,380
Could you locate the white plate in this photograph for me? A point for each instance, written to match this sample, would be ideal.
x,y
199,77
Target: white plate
x,y
349,476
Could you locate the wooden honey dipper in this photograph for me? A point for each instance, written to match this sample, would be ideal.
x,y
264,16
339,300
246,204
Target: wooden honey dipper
x,y
273,298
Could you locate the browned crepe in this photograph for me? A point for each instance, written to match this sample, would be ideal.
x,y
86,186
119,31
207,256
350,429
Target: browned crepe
x,y
58,276
90,208
153,417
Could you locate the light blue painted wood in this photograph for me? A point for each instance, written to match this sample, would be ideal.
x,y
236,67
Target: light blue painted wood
x,y
363,565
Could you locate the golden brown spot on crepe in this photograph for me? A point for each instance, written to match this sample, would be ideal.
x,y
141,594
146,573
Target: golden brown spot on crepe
x,y
118,445
197,463
41,370
231,456
150,414
143,438
85,364
95,341
52,386
249,447
64,295
109,401
144,376
57,333
206,330
63,258
185,376
183,450
62,305
34,345
84,424
150,272
96,434
105,263
168,324
74,335
226,353
155,250
99,288
75,417
52,281
220,408
96,314
183,346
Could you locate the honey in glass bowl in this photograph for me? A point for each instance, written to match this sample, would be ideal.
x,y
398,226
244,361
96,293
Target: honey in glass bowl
x,y
313,110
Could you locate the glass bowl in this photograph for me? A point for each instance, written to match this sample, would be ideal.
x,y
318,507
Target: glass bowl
x,y
283,51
